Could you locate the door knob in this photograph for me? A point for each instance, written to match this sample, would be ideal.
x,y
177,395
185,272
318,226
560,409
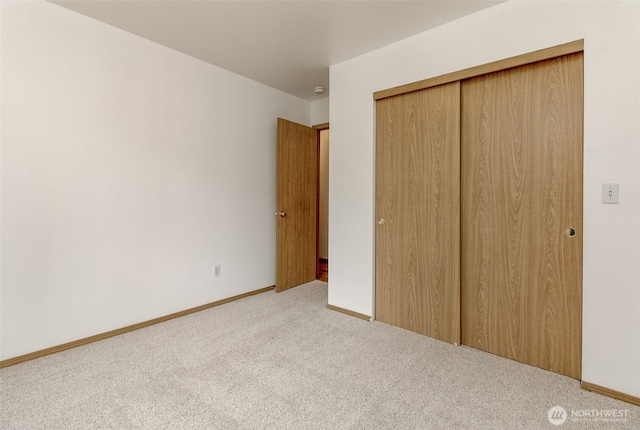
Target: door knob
x,y
569,231
282,214
381,221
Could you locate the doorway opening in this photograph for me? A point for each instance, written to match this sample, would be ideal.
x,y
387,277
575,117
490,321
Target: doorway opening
x,y
323,203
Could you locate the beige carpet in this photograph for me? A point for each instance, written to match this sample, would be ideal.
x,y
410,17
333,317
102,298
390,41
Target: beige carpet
x,y
283,361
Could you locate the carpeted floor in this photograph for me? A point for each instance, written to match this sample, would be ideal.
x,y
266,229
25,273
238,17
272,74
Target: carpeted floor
x,y
283,361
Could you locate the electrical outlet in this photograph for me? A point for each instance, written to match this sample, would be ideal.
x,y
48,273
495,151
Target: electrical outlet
x,y
216,270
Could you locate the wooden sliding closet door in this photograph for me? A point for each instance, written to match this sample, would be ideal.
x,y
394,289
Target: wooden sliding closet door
x,y
521,189
417,206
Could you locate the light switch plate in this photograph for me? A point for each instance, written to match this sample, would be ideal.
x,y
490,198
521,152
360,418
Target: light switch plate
x,y
610,194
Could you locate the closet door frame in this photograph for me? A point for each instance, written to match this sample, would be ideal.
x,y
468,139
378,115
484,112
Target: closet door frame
x,y
497,66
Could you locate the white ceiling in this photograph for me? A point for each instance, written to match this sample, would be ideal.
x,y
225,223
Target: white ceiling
x,y
287,45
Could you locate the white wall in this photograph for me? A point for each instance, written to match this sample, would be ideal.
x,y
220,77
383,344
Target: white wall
x,y
611,344
128,170
320,111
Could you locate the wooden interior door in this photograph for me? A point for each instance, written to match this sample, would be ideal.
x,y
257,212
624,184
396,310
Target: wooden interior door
x,y
417,206
297,187
521,188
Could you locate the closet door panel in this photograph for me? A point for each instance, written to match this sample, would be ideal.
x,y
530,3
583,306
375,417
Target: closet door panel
x,y
521,282
417,206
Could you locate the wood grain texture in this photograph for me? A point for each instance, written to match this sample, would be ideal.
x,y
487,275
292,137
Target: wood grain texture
x,y
297,187
507,63
418,196
522,186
